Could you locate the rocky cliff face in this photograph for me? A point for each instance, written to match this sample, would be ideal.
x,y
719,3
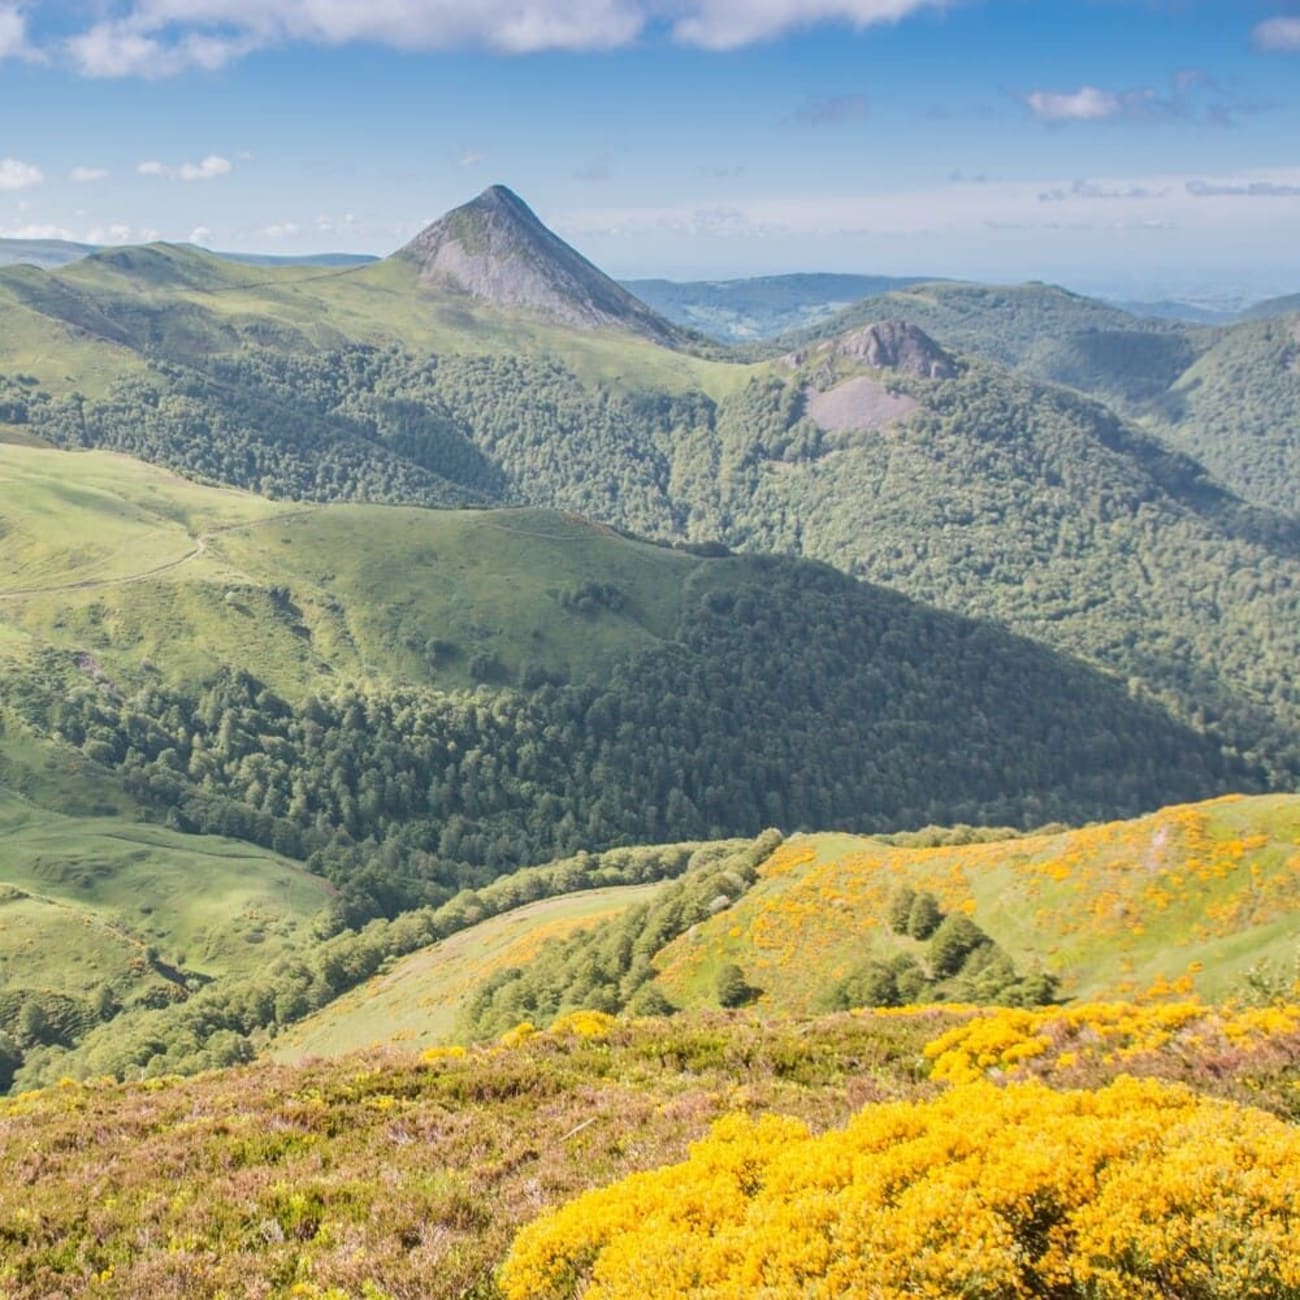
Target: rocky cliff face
x,y
886,345
497,250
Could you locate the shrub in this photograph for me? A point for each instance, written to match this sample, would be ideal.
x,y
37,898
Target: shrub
x,y
1138,1191
732,990
953,942
900,909
872,985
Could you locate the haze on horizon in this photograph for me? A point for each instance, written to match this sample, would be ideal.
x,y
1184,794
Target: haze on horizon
x,y
1120,146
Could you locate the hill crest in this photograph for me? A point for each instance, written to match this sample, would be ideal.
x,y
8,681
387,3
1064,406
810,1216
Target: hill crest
x,y
496,249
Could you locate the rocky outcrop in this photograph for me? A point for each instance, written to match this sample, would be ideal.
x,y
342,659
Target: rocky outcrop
x,y
886,345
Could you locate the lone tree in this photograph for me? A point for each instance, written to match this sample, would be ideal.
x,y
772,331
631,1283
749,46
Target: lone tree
x,y
731,987
925,916
900,909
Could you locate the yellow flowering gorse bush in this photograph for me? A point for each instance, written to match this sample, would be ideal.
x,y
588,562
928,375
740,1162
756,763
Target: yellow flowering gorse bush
x,y
1137,1191
1004,1040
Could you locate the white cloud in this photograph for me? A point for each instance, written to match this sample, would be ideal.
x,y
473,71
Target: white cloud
x,y
470,158
1279,34
13,35
133,47
15,175
87,175
117,233
281,230
729,24
1087,104
200,235
209,169
163,38
36,232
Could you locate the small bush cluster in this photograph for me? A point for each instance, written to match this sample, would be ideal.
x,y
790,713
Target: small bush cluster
x,y
961,962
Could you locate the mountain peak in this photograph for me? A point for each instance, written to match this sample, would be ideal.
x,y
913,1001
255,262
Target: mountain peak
x,y
496,249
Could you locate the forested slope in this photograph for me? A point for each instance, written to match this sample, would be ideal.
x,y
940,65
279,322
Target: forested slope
x,y
996,497
1237,410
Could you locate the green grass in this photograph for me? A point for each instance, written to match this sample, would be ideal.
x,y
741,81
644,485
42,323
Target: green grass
x,y
62,358
83,897
418,1002
1191,897
129,564
86,887
69,518
55,777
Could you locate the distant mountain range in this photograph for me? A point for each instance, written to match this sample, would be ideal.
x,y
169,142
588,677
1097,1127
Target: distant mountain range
x,y
50,253
744,310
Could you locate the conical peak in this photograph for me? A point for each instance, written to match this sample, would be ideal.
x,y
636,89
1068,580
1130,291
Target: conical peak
x,y
497,249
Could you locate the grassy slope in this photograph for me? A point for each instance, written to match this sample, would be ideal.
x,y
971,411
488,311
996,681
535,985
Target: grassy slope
x,y
1115,909
86,886
53,349
416,1004
132,563
1202,890
186,304
81,898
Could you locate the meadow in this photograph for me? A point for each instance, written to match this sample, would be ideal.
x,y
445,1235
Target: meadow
x,y
418,1003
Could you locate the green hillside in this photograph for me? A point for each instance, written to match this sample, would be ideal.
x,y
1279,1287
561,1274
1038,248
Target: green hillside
x,y
1191,898
211,907
999,497
1225,395
416,700
101,915
1237,410
419,1002
128,564
1040,330
1033,507
184,305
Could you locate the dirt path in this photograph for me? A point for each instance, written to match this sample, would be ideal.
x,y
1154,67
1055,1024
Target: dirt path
x,y
200,548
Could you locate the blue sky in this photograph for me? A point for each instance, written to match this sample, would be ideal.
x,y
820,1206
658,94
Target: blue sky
x,y
1144,144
